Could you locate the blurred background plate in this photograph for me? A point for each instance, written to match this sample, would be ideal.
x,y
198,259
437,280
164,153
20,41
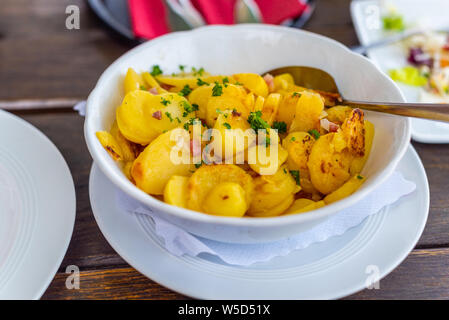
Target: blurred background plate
x,y
366,16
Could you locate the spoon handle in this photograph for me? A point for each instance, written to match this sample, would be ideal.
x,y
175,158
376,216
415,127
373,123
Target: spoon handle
x,y
430,111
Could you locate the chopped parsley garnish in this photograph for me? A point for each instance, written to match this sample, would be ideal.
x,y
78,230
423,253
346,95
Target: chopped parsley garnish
x,y
238,83
185,91
198,72
168,114
165,101
292,139
177,119
295,175
256,122
156,70
181,67
217,90
227,125
142,88
285,170
267,141
200,82
225,81
188,108
191,122
314,133
281,126
296,94
218,111
359,177
197,165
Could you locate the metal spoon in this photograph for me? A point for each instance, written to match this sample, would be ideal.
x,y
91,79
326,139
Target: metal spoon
x,y
313,78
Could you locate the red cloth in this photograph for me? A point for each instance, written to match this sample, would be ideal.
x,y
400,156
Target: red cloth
x,y
148,18
277,11
216,11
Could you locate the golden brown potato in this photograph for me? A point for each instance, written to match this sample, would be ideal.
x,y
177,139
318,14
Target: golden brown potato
x,y
233,132
208,176
329,169
287,108
359,162
232,98
156,164
226,199
304,205
338,114
143,116
110,144
267,164
271,191
346,189
283,81
133,81
275,210
354,130
253,82
175,191
270,107
308,112
127,148
178,82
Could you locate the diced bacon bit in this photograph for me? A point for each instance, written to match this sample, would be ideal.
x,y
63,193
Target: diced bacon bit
x,y
153,90
166,86
236,113
195,147
269,79
329,126
157,115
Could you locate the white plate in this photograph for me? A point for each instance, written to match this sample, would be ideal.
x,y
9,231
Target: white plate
x,y
37,210
328,270
425,13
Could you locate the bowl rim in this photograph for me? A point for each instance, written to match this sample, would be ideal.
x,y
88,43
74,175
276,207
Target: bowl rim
x,y
261,222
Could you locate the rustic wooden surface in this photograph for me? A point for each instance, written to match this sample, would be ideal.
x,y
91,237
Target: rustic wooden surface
x,y
40,59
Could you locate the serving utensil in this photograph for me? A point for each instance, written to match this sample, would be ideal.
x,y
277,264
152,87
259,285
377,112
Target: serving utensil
x,y
317,79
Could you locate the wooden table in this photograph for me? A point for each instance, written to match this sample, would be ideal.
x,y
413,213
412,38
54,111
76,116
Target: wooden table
x,y
40,59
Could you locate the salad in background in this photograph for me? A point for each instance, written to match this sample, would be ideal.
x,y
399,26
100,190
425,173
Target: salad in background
x,y
427,55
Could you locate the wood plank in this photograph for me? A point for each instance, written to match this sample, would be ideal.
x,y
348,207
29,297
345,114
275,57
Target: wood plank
x,y
423,275
40,58
435,159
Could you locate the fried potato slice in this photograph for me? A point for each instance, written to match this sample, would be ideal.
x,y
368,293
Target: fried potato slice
x,y
359,162
133,81
329,168
208,176
354,129
271,191
156,164
308,112
175,191
226,199
127,147
110,144
338,114
270,164
253,82
348,188
304,205
143,116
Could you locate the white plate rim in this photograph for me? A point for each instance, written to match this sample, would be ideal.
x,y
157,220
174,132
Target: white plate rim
x,y
411,155
67,214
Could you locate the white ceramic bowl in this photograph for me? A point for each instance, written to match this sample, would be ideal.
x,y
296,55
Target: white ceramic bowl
x,y
251,48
